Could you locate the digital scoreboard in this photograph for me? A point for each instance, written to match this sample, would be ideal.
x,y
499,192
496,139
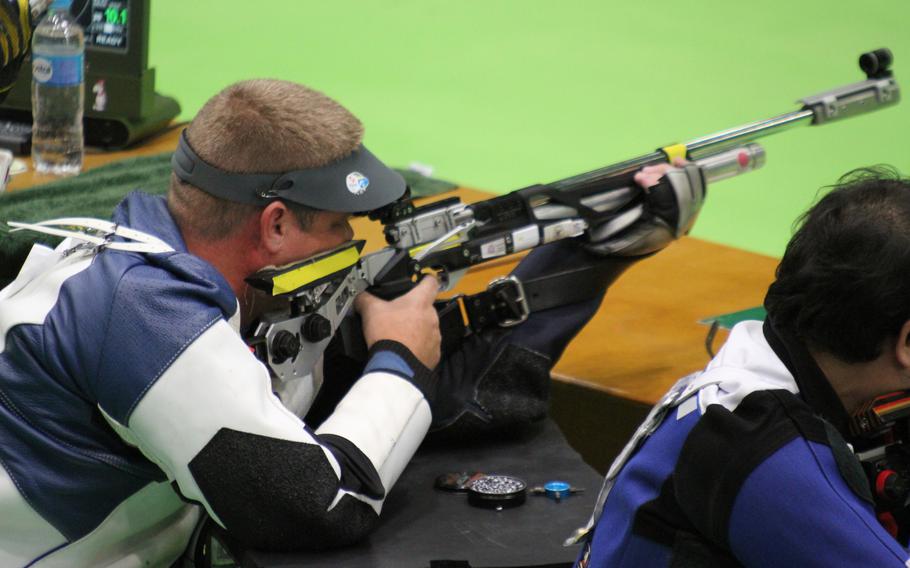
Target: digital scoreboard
x,y
106,23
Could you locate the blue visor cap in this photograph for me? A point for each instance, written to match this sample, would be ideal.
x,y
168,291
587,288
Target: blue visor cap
x,y
357,183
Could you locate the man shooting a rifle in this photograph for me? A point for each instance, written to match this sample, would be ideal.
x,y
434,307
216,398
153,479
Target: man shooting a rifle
x,y
131,404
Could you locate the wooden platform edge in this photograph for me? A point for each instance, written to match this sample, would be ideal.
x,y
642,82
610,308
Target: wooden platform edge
x,y
596,422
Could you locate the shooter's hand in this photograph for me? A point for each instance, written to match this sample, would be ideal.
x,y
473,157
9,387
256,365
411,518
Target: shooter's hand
x,y
410,320
16,29
673,197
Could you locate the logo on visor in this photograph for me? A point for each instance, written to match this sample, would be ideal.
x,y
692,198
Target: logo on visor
x,y
357,183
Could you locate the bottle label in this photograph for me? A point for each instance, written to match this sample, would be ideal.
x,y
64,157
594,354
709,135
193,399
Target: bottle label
x,y
57,70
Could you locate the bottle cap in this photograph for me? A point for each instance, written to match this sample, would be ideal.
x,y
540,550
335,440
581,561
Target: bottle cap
x,y
61,4
557,489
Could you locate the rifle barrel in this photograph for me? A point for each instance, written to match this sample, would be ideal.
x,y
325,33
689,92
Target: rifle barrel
x,y
748,132
879,90
696,148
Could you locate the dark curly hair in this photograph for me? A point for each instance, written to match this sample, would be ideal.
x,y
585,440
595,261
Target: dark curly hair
x,y
843,285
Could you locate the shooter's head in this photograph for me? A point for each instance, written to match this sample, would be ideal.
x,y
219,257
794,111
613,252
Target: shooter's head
x,y
269,171
843,285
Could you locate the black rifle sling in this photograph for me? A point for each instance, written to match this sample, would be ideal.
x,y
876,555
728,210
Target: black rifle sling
x,y
510,301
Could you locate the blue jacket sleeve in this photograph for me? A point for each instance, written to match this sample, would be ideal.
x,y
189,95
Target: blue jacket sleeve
x,y
795,509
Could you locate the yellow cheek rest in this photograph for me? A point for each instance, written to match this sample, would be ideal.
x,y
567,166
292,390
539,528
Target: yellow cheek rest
x,y
293,277
298,277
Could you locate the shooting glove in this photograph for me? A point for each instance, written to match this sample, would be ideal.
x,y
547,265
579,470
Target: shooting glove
x,y
16,25
666,213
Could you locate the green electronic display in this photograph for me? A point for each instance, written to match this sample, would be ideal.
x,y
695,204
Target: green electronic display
x,y
114,16
106,23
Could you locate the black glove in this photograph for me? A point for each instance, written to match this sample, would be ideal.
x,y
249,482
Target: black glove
x,y
16,24
666,213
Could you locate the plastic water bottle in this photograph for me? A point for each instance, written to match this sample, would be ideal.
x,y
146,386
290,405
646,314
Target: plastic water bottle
x,y
58,53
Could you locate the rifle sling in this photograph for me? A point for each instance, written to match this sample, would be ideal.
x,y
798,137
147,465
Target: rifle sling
x,y
510,301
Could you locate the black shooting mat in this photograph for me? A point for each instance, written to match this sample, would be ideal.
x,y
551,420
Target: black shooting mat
x,y
420,524
96,192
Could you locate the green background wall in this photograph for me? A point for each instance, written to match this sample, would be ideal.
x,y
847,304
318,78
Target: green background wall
x,y
499,94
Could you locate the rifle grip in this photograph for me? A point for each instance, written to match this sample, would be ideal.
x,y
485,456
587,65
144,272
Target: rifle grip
x,y
393,289
395,279
349,339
